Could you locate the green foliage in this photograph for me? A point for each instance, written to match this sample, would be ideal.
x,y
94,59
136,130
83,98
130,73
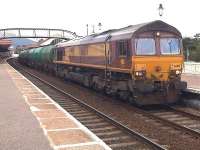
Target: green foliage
x,y
193,44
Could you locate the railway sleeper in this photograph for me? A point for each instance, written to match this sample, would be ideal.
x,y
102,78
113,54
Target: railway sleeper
x,y
111,139
96,124
96,130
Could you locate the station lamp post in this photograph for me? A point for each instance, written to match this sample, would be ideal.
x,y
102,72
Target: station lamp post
x,y
99,25
187,54
93,30
160,9
87,28
188,48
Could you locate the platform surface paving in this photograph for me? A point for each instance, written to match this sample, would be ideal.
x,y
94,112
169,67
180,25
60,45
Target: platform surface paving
x,y
30,120
19,129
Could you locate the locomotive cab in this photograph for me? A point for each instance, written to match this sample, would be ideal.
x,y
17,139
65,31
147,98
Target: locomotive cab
x,y
157,63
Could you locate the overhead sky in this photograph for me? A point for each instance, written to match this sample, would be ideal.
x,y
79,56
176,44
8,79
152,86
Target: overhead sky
x,y
75,14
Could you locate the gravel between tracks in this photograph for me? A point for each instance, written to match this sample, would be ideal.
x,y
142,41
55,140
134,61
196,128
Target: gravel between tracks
x,y
126,114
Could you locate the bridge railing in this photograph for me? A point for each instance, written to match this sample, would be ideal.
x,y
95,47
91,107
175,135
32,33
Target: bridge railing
x,y
36,33
191,67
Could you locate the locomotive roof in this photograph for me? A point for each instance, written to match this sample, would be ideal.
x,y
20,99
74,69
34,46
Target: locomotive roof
x,y
123,33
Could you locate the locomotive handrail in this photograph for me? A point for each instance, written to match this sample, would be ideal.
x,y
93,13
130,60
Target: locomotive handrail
x,y
36,33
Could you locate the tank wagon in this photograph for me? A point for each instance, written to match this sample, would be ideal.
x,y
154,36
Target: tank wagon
x,y
40,58
140,63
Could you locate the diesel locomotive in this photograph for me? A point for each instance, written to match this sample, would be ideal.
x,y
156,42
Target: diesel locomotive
x,y
139,63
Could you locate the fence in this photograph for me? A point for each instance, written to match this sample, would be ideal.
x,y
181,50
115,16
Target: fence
x,y
191,67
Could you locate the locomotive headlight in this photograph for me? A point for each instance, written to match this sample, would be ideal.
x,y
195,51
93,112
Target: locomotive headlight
x,y
178,72
140,70
157,33
139,73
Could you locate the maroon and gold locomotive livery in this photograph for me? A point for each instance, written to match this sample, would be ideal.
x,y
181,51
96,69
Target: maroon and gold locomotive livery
x,y
140,63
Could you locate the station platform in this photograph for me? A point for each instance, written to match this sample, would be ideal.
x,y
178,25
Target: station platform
x,y
30,120
193,81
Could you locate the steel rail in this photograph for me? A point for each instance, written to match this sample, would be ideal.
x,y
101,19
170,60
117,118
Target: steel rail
x,y
102,115
191,92
185,113
170,123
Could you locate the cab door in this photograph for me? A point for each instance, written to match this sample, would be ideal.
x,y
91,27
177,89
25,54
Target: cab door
x,y
123,51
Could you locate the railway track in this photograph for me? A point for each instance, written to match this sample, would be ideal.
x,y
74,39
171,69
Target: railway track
x,y
113,133
176,118
188,110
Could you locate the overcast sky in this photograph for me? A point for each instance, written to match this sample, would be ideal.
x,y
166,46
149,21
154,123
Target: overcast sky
x,y
75,14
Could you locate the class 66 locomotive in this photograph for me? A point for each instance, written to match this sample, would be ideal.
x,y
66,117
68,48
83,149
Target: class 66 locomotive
x,y
140,63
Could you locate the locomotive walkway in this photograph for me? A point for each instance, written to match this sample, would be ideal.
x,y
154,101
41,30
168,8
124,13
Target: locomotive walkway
x,y
30,120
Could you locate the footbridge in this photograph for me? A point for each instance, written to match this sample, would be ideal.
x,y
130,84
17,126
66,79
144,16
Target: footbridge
x,y
36,33
8,33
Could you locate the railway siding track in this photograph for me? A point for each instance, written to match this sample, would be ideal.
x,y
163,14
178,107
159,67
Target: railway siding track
x,y
178,119
113,133
184,111
188,110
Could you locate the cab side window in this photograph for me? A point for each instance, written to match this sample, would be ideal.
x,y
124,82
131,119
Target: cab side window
x,y
123,48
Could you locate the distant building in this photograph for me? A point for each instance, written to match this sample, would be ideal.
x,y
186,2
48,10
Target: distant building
x,y
5,44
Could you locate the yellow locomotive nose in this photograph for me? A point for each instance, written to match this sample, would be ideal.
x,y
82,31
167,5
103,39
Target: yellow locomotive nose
x,y
156,68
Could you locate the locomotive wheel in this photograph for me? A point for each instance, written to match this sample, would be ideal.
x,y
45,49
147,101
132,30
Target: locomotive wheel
x,y
96,87
124,95
131,100
172,95
107,90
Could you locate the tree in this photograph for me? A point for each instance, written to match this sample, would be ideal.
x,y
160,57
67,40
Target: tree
x,y
193,44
